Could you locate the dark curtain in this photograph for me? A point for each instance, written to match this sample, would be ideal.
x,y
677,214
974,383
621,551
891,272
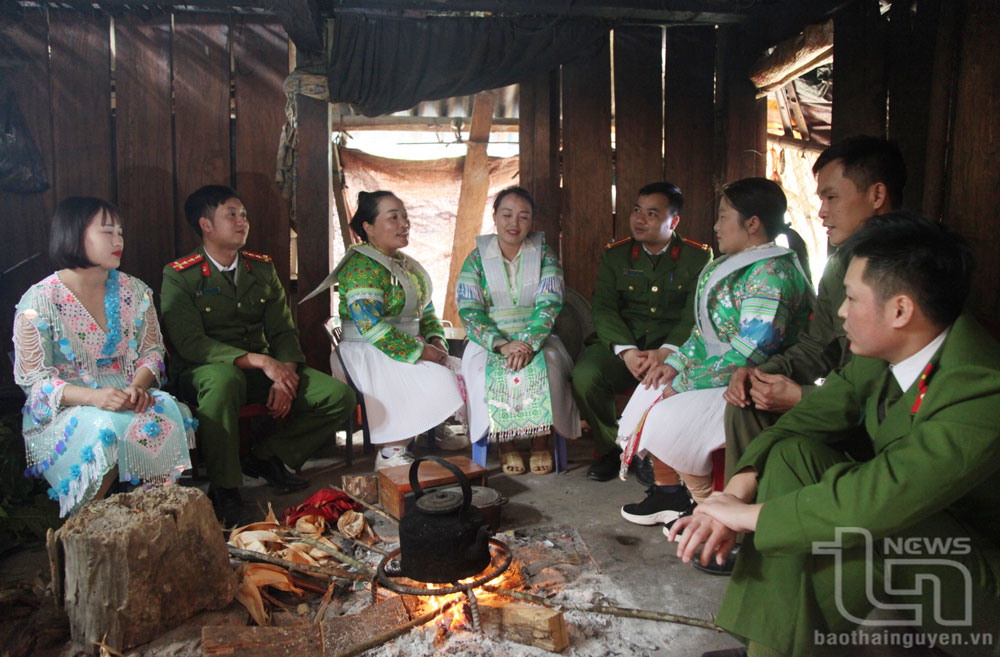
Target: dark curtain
x,y
381,65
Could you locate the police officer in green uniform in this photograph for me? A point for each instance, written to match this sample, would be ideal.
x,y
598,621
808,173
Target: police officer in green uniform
x,y
856,178
643,309
234,343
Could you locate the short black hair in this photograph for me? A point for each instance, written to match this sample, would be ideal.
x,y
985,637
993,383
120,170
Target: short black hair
x,y
69,223
517,191
909,253
670,190
868,160
367,211
202,203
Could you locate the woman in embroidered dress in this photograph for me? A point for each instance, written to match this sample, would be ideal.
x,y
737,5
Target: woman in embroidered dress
x,y
509,293
393,345
89,355
749,303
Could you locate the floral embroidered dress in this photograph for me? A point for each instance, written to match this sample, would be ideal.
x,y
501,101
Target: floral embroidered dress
x,y
743,314
57,343
386,317
528,297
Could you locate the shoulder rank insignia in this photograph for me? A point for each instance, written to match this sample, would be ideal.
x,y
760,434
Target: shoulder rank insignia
x,y
187,261
697,245
256,256
611,245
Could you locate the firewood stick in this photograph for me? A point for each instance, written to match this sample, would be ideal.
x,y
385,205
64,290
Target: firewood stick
x,y
336,554
369,643
309,586
384,553
368,506
321,612
306,569
608,609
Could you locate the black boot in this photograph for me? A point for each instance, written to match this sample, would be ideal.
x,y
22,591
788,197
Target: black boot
x,y
228,506
273,471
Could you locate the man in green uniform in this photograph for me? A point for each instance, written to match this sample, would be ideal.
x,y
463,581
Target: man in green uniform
x,y
234,343
916,528
856,179
643,309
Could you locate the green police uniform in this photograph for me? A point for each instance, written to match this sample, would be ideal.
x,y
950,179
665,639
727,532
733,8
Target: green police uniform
x,y
640,300
211,322
932,480
821,348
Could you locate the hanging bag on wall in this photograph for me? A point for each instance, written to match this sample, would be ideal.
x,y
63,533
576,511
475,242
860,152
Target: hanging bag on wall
x,y
21,167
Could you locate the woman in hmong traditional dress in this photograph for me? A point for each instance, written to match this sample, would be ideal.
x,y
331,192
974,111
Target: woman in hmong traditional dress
x,y
517,373
749,304
393,345
89,355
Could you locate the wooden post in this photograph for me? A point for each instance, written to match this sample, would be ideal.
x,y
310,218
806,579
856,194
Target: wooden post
x,y
472,198
638,117
859,71
539,151
742,116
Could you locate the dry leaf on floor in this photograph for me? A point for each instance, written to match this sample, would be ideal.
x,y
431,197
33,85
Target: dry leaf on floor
x,y
312,524
248,595
351,523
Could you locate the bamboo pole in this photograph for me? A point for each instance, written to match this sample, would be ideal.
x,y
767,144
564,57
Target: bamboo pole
x,y
612,610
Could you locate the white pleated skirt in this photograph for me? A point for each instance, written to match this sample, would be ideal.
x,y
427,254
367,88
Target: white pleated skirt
x,y
682,430
558,364
402,400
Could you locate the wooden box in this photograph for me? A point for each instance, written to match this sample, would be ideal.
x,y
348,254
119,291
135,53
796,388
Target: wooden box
x,y
394,483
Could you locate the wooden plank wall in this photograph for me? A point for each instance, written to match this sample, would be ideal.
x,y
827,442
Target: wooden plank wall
x,y
170,132
539,151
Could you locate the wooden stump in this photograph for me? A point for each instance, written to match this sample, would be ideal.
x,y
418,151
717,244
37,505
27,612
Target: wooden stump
x,y
364,487
136,565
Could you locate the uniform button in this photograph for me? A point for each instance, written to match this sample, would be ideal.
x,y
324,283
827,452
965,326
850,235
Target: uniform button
x,y
208,309
631,287
652,310
679,286
239,305
655,289
262,301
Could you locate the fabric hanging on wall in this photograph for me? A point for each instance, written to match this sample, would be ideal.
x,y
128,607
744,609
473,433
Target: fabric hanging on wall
x,y
381,65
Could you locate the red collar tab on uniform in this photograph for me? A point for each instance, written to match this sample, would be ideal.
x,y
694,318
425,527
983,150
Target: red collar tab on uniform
x,y
922,387
675,251
635,251
205,271
246,265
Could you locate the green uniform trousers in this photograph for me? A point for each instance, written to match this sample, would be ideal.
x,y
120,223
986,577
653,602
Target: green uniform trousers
x,y
217,391
597,377
792,602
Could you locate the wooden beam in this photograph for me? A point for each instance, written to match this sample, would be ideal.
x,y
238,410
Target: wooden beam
x,y
689,125
587,210
638,117
859,44
793,57
471,198
539,151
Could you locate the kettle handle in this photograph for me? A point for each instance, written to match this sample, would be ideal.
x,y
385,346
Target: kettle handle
x,y
455,470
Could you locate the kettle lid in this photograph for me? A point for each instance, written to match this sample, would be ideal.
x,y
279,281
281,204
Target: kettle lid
x,y
439,502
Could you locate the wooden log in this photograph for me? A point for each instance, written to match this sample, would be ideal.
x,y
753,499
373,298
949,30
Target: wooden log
x,y
471,198
362,487
530,625
138,564
793,57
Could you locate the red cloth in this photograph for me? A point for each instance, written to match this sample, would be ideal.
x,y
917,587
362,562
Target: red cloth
x,y
326,502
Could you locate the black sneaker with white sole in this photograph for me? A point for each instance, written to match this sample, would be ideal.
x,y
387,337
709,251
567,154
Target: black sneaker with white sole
x,y
658,507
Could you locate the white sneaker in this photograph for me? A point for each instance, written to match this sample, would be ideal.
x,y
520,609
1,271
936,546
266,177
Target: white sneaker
x,y
397,456
450,440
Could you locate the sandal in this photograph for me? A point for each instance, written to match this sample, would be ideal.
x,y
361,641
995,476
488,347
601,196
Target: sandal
x,y
541,461
511,463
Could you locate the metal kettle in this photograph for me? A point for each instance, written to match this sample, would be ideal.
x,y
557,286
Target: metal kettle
x,y
443,538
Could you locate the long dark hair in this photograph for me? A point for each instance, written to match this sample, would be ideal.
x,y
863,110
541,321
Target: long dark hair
x,y
367,211
765,199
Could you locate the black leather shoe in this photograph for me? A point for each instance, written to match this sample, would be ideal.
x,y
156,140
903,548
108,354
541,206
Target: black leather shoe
x,y
607,466
714,568
643,470
730,652
228,506
274,472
